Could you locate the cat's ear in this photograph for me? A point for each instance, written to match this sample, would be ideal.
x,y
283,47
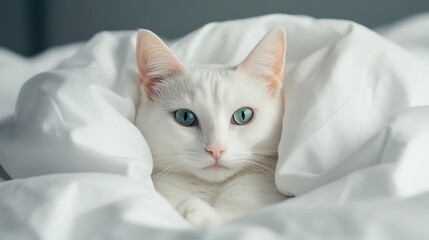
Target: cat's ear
x,y
267,59
155,61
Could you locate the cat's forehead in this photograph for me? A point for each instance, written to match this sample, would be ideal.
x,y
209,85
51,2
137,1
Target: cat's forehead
x,y
213,87
224,82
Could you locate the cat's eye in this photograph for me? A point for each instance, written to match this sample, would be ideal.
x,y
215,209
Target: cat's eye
x,y
185,117
242,116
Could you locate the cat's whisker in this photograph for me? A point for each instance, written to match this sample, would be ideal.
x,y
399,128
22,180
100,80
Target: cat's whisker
x,y
263,152
260,154
266,158
165,170
163,165
251,166
255,157
257,150
164,157
249,169
176,154
262,162
259,165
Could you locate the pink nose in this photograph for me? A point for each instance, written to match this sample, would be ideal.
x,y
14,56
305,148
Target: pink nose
x,y
216,152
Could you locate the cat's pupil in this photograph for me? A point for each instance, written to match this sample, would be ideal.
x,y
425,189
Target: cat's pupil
x,y
243,115
185,116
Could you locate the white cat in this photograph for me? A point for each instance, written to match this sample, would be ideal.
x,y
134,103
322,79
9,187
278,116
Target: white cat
x,y
213,131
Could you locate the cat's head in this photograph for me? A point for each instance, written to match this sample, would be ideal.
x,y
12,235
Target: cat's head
x,y
211,122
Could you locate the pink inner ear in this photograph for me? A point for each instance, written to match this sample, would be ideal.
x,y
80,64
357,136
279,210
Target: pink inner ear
x,y
148,86
267,59
274,85
279,64
155,61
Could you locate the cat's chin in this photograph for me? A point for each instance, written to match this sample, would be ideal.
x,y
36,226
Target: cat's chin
x,y
214,173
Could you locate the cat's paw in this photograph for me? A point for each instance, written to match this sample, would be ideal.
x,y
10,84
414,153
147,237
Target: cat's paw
x,y
198,212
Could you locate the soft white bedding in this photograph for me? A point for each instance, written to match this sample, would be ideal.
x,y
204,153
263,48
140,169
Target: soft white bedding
x,y
354,147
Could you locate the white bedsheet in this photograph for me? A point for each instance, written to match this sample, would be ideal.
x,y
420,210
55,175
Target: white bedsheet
x,y
354,148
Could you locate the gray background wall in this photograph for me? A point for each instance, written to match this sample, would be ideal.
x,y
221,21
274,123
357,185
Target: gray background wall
x,y
29,26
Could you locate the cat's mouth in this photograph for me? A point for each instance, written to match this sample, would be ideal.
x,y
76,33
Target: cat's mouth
x,y
216,166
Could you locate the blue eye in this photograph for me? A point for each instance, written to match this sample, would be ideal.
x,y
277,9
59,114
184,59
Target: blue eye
x,y
185,117
242,116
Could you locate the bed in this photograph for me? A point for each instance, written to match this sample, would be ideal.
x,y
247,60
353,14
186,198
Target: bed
x,y
354,149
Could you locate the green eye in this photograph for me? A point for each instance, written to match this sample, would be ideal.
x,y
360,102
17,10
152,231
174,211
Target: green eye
x,y
242,116
185,117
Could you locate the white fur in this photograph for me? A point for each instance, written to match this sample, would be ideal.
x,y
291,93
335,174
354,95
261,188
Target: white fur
x,y
182,172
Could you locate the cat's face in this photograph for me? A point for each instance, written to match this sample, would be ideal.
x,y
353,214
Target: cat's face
x,y
211,122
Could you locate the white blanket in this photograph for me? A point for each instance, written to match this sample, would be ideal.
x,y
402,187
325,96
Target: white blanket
x,y
354,148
